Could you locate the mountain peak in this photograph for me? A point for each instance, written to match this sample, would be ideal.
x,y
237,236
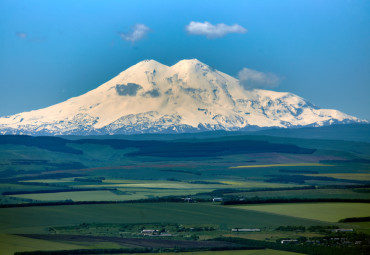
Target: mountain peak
x,y
192,65
149,61
189,62
189,96
149,64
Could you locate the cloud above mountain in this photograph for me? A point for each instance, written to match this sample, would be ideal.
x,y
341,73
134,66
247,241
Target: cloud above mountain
x,y
213,31
139,31
253,79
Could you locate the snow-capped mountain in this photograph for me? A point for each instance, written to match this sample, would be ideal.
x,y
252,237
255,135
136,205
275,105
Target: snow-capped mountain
x,y
189,96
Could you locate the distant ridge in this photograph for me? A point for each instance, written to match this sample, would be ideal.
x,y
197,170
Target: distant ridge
x,y
189,96
349,132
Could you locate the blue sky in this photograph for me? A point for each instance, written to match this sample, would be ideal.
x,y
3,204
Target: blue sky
x,y
54,50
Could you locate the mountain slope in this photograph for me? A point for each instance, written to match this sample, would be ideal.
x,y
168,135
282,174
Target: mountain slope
x,y
189,96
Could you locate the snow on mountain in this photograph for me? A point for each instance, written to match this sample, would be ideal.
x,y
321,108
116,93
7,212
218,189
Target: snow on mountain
x,y
189,96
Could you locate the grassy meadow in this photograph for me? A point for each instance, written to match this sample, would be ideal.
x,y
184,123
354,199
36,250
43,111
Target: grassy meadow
x,y
39,218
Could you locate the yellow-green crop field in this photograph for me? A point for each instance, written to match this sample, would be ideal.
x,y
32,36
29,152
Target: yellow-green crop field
x,y
331,212
163,184
12,243
9,244
59,180
100,195
346,176
282,165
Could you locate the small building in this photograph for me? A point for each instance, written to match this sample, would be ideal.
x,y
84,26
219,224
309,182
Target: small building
x,y
217,199
149,232
288,241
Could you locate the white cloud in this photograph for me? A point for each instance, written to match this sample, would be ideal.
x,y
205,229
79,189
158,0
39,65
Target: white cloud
x,y
213,31
252,79
138,32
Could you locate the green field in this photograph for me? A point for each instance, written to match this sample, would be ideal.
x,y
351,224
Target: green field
x,y
15,243
37,219
330,212
12,243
